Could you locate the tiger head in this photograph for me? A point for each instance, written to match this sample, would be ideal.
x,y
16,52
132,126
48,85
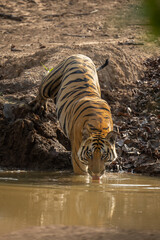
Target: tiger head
x,y
96,151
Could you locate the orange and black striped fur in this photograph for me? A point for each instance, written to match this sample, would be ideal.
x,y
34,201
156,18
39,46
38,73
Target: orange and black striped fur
x,y
83,115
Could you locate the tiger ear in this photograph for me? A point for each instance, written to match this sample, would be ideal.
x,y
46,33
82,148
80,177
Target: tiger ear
x,y
85,134
111,137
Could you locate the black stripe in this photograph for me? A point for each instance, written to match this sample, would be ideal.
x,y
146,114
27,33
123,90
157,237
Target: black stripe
x,y
84,161
77,80
78,88
88,107
79,166
80,106
91,67
70,103
60,111
70,69
68,95
90,125
84,123
90,115
70,63
83,111
94,144
101,144
89,75
75,72
88,66
73,92
80,65
95,129
53,90
50,83
97,148
64,126
98,139
53,72
97,143
89,94
105,128
90,86
103,108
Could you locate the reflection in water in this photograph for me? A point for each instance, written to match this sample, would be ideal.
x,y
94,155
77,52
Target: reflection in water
x,y
121,200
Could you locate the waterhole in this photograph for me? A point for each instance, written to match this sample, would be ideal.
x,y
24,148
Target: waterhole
x,y
120,200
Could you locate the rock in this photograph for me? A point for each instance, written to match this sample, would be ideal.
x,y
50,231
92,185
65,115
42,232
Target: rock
x,y
8,111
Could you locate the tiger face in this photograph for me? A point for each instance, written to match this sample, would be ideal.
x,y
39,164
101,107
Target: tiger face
x,y
96,151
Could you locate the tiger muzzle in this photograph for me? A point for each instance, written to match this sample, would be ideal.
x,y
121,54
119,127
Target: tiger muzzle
x,y
96,167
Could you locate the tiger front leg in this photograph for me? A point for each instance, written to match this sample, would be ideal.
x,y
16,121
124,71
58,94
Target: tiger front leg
x,y
78,167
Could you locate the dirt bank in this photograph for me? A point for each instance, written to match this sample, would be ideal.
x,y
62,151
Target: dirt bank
x,y
38,31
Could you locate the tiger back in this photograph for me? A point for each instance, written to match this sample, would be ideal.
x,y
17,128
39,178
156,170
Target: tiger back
x,y
84,116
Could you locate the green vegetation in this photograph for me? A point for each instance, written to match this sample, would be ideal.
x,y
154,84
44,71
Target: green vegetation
x,y
152,10
48,70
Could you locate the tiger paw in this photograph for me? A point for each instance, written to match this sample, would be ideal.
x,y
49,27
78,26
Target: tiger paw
x,y
38,106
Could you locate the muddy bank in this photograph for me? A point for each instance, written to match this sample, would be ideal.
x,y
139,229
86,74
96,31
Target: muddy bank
x,y
79,233
31,141
137,118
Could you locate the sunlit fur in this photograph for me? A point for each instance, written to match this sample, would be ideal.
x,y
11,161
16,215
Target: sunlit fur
x,y
84,117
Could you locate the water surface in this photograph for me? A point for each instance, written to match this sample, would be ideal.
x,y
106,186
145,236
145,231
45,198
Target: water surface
x,y
120,200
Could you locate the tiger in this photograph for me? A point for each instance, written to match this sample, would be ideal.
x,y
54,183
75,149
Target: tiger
x,y
84,116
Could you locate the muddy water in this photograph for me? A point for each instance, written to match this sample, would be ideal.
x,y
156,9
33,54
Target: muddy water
x,y
37,199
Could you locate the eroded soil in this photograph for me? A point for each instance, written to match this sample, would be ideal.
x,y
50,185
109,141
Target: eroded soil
x,y
37,31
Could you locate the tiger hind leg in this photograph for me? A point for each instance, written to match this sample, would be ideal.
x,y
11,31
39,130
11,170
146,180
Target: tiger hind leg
x,y
48,88
38,105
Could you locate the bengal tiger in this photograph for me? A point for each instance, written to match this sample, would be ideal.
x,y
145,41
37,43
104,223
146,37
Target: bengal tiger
x,y
84,116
